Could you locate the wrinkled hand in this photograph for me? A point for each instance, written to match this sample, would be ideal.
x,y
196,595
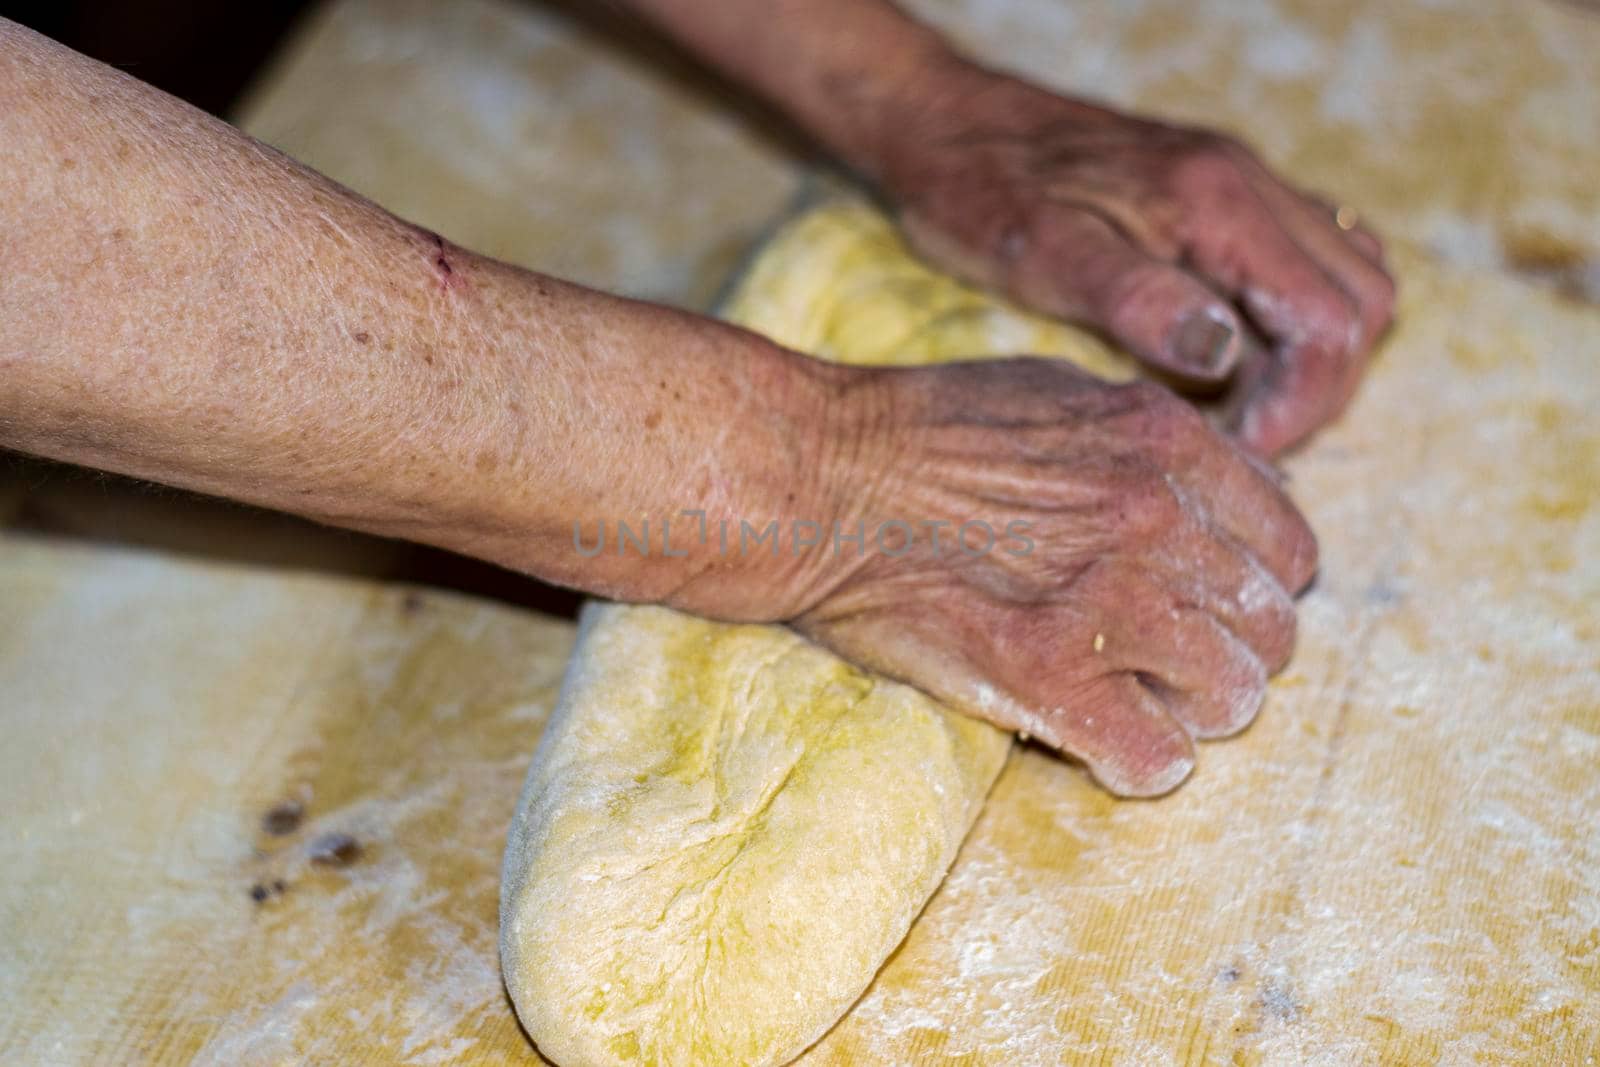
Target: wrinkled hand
x,y
1177,243
1154,600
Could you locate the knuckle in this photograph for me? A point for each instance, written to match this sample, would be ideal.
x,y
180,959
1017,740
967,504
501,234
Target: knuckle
x,y
1187,427
1210,165
1153,401
1328,318
1329,310
1167,427
1148,505
1125,288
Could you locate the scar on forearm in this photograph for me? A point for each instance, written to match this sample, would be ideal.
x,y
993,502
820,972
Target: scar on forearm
x,y
448,278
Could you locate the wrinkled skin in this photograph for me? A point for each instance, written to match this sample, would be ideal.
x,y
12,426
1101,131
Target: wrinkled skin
x,y
1155,598
1177,243
483,408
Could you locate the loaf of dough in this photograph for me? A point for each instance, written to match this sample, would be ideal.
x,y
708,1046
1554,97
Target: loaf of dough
x,y
726,830
724,833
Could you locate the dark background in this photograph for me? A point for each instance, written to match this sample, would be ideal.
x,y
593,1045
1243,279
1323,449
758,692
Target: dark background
x,y
205,53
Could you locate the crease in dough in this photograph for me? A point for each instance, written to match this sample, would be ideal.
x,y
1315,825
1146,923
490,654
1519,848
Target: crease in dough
x,y
726,830
724,833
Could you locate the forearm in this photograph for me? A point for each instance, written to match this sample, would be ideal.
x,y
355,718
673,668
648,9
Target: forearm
x,y
182,304
849,72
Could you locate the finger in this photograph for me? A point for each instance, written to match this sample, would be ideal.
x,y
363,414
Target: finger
x,y
1260,433
1212,578
1231,490
1367,243
1012,669
1077,265
1351,228
1236,590
1318,231
1207,677
1255,513
1296,391
1312,326
1209,680
1127,738
1228,415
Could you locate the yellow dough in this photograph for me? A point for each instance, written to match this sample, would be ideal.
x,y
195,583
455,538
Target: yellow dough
x,y
726,830
838,283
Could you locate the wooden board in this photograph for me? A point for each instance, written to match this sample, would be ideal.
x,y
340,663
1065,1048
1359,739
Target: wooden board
x,y
254,817
533,136
1397,864
538,133
1469,126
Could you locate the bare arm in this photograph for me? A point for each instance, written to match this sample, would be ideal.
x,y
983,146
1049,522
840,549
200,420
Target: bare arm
x,y
180,303
183,304
1178,243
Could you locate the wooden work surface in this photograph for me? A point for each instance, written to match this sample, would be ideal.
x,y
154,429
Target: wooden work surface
x,y
1472,127
256,817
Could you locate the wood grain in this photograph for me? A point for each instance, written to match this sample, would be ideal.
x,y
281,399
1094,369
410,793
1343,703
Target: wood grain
x,y
1397,864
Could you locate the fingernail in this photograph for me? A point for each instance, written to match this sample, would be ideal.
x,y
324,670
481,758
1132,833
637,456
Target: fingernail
x,y
1204,343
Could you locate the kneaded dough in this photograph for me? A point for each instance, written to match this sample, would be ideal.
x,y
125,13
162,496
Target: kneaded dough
x,y
724,833
727,830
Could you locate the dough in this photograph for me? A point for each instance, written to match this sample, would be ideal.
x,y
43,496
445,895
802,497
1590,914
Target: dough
x,y
725,832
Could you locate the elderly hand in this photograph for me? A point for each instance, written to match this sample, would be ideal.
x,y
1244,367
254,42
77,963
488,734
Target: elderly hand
x,y
1136,593
1177,243
1090,564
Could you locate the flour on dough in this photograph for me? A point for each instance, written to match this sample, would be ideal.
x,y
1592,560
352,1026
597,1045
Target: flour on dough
x,y
724,833
726,830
